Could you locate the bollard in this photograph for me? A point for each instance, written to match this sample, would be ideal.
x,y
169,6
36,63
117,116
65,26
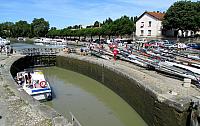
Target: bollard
x,y
186,82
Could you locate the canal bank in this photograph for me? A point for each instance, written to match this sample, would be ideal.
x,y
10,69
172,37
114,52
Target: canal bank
x,y
16,106
145,91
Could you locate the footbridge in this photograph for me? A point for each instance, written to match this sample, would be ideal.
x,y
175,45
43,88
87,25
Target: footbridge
x,y
39,56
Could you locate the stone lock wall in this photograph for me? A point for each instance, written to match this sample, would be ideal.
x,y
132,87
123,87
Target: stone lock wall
x,y
144,101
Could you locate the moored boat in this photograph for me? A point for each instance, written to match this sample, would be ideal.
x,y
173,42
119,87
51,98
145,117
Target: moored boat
x,y
4,41
21,39
35,84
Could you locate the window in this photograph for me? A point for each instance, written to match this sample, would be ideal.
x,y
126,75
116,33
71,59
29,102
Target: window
x,y
149,32
142,33
149,23
142,25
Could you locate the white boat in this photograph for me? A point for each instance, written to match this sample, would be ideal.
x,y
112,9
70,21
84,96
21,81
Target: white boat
x,y
4,41
49,41
60,41
21,39
35,84
38,42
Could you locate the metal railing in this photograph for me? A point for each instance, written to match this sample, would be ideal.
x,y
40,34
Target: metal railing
x,y
39,51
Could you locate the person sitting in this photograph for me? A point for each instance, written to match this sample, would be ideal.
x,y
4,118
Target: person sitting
x,y
20,79
26,79
81,51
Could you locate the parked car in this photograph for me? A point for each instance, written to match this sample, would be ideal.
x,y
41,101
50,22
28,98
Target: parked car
x,y
102,41
141,40
193,45
153,43
169,44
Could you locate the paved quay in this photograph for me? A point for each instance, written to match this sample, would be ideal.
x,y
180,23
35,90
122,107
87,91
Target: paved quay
x,y
18,108
156,82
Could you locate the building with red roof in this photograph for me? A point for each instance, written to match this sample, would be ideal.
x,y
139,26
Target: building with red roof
x,y
149,24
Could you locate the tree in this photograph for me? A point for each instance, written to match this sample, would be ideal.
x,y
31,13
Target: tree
x,y
182,15
69,27
21,29
40,27
76,27
122,26
53,32
108,21
106,30
6,28
96,24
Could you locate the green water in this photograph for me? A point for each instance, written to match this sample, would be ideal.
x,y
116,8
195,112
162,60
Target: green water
x,y
92,103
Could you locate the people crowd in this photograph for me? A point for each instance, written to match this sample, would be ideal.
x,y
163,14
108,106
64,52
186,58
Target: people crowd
x,y
7,49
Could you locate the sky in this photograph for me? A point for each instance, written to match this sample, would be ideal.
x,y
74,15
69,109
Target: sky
x,y
63,13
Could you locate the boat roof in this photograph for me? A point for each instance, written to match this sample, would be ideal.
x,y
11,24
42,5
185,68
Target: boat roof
x,y
38,75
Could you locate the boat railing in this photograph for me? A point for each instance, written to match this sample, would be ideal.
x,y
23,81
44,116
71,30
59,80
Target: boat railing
x,y
74,121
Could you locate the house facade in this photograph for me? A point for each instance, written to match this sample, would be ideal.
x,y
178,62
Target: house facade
x,y
149,24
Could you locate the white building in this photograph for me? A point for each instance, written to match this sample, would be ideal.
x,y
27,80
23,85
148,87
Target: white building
x,y
149,24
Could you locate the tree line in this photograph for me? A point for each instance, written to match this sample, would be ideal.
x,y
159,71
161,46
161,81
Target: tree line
x,y
119,27
39,27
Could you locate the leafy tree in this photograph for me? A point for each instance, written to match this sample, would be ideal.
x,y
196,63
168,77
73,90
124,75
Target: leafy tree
x,y
122,26
90,26
106,30
40,27
76,27
1,30
53,33
7,29
96,24
53,28
21,29
97,32
182,15
108,21
69,27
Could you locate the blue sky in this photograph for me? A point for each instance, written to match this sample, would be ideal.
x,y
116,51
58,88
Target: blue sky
x,y
62,13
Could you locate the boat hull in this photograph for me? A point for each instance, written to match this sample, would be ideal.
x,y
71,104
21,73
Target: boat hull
x,y
43,96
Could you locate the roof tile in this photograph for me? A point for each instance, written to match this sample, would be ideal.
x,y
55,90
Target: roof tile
x,y
157,15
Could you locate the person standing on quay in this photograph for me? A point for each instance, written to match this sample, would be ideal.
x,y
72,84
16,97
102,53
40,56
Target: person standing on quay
x,y
115,52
